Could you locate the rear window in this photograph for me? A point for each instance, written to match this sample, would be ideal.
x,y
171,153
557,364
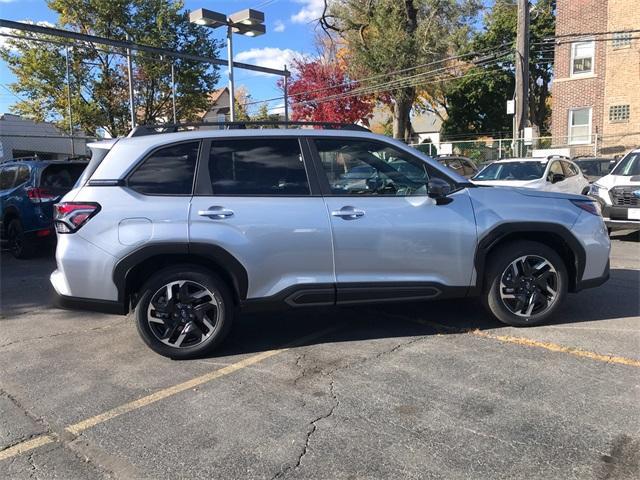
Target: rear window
x,y
167,171
61,177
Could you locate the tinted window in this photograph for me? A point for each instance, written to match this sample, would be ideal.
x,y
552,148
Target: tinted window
x,y
355,167
167,171
23,175
7,177
61,177
257,167
468,168
555,168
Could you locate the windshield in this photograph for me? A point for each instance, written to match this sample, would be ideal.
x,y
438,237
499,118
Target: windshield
x,y
628,166
512,171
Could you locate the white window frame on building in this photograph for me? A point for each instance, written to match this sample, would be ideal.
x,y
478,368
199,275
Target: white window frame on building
x,y
621,40
582,138
576,55
619,113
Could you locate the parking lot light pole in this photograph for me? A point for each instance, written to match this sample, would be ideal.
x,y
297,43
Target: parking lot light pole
x,y
247,22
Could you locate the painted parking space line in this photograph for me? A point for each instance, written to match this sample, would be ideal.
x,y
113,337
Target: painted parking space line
x,y
79,427
528,342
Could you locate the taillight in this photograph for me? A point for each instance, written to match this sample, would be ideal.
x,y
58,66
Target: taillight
x,y
70,216
40,195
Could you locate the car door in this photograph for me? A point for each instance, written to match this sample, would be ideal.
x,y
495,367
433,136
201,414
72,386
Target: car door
x,y
555,168
390,239
255,200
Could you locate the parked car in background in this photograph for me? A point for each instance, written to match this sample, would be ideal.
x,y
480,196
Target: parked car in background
x,y
594,167
28,189
619,193
189,228
463,166
552,174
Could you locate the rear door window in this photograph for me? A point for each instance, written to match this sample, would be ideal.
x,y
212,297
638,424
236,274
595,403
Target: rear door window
x,y
167,171
569,169
23,175
60,177
263,166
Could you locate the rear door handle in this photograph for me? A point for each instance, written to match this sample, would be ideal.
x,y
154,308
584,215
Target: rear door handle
x,y
216,212
348,213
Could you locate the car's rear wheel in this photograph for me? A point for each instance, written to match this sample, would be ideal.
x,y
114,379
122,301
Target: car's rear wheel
x,y
525,283
19,245
184,312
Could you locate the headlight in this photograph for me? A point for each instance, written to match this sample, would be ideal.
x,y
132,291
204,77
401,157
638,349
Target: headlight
x,y
599,191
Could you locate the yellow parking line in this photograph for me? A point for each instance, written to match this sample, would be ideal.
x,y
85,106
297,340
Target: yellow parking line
x,y
27,445
83,425
552,347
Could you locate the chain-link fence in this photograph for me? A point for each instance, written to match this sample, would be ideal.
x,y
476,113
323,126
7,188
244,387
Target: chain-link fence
x,y
491,149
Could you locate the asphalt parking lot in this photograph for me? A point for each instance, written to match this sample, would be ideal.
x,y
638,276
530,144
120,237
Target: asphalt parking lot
x,y
429,390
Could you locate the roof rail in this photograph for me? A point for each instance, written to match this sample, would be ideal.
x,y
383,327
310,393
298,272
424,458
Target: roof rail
x,y
142,130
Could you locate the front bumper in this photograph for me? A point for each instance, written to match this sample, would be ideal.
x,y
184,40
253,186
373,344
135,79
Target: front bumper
x,y
594,282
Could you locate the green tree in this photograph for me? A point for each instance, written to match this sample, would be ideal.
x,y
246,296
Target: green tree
x,y
384,36
477,102
99,87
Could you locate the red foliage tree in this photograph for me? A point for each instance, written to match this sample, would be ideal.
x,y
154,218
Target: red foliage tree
x,y
321,92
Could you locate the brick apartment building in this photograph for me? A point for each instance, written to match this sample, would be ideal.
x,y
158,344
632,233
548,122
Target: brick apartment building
x,y
596,89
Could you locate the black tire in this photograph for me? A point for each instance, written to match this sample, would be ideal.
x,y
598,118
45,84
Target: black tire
x,y
193,275
497,265
19,246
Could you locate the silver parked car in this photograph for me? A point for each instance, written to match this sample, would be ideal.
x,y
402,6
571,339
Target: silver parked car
x,y
189,228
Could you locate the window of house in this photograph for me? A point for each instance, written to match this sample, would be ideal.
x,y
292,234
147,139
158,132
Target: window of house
x,y
621,39
582,54
619,113
580,126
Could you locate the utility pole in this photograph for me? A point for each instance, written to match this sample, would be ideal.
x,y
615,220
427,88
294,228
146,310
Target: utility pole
x,y
285,84
232,93
69,109
132,108
522,74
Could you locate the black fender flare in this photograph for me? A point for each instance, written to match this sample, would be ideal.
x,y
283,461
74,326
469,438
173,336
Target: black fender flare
x,y
213,253
502,231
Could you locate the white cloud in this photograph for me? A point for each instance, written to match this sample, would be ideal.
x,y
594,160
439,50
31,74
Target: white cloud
x,y
278,26
268,57
311,11
4,40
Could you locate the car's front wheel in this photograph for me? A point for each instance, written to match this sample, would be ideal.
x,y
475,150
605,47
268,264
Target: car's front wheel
x,y
19,246
184,312
525,283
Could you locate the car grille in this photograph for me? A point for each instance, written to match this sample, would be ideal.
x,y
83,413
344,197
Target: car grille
x,y
624,197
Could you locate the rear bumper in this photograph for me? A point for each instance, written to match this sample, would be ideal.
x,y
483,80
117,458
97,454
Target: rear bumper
x,y
622,224
88,304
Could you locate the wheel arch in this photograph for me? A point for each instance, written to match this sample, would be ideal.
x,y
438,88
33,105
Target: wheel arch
x,y
134,269
553,235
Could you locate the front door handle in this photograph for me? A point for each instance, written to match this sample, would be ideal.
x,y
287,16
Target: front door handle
x,y
348,213
216,212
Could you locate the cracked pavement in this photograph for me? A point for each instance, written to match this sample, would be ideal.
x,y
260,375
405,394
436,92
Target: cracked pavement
x,y
381,396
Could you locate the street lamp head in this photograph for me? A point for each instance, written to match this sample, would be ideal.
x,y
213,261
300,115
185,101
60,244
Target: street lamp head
x,y
249,30
208,18
247,17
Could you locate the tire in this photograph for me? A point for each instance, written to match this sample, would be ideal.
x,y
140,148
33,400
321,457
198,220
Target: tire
x,y
187,325
19,246
520,288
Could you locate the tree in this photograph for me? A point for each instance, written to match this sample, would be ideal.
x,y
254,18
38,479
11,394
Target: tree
x,y
320,91
477,102
99,87
388,38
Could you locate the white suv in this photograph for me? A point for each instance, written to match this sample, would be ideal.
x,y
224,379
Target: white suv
x,y
551,174
189,228
619,193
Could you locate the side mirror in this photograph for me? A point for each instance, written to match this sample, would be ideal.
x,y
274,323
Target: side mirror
x,y
438,189
557,177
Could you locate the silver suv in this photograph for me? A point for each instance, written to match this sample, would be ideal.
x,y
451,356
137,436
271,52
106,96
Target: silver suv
x,y
189,228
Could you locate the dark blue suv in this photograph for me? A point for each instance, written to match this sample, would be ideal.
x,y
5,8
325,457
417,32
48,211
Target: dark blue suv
x,y
29,187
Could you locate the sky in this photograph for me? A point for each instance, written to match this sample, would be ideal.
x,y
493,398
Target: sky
x,y
290,32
